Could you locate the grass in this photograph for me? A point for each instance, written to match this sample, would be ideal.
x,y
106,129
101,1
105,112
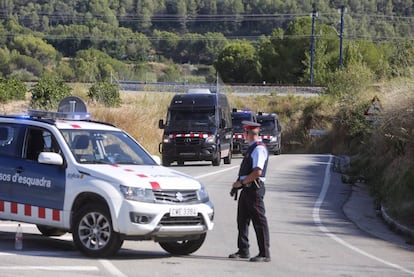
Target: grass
x,y
138,115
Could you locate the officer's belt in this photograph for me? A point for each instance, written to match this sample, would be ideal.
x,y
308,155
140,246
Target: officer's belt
x,y
255,184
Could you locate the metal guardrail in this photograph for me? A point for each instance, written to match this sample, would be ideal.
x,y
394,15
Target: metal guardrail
x,y
235,89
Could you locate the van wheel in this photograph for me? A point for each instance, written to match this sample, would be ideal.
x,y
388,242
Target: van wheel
x,y
227,160
183,247
217,160
50,231
166,162
92,232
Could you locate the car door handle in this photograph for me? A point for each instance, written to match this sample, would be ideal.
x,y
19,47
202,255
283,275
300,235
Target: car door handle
x,y
19,169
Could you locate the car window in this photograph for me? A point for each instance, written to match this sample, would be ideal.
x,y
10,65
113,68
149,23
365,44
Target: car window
x,y
105,147
9,140
39,140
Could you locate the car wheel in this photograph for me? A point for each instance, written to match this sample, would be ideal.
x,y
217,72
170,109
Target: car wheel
x,y
93,234
227,160
166,162
217,160
50,231
183,247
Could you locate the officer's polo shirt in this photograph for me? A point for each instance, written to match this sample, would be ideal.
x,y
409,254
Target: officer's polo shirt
x,y
259,157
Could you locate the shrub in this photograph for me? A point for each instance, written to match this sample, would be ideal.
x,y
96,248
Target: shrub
x,y
105,93
48,92
12,89
349,81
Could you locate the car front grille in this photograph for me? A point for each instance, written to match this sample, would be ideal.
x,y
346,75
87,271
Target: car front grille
x,y
188,140
178,197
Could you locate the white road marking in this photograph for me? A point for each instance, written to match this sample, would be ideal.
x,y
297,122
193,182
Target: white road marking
x,y
51,268
216,172
111,268
318,222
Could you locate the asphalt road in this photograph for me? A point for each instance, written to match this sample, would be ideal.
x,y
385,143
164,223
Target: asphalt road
x,y
316,229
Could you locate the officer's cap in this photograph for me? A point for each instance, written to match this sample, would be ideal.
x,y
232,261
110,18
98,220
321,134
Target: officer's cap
x,y
250,125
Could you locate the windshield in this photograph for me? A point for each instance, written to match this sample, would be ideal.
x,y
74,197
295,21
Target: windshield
x,y
237,122
267,125
105,147
190,119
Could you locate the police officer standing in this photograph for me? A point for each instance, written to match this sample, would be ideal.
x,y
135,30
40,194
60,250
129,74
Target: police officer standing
x,y
251,206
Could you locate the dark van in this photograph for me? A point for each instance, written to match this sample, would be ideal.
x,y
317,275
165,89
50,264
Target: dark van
x,y
198,128
270,132
239,141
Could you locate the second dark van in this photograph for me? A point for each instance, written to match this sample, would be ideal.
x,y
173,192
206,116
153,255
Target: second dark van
x,y
270,132
198,127
239,140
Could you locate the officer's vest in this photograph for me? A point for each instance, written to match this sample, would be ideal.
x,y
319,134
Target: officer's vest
x,y
246,166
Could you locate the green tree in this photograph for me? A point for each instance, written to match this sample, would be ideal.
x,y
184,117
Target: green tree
x,y
34,47
214,43
165,43
238,63
190,47
93,65
70,38
18,62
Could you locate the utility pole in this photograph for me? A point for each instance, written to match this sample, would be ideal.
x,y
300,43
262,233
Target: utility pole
x,y
314,15
341,36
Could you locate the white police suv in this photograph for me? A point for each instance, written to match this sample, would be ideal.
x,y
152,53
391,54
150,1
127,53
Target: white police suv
x,y
67,173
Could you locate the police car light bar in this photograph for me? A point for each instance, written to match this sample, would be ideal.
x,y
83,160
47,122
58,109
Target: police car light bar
x,y
70,108
60,115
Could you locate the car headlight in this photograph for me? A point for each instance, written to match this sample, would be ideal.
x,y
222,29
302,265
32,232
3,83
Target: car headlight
x,y
211,139
273,139
166,139
202,194
137,194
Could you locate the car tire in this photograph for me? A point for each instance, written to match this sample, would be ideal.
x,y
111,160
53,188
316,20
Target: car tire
x,y
50,231
183,247
92,232
227,160
166,162
217,159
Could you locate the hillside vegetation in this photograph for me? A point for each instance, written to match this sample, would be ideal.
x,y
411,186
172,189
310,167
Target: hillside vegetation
x,y
247,41
244,42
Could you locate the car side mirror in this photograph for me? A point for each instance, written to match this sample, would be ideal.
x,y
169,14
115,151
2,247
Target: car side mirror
x,y
50,158
161,124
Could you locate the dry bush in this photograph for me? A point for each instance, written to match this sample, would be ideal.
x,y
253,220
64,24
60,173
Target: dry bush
x,y
138,115
388,152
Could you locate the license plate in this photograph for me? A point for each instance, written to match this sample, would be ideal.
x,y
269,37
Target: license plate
x,y
183,211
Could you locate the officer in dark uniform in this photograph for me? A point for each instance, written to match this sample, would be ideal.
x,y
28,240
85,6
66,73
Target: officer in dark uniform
x,y
251,206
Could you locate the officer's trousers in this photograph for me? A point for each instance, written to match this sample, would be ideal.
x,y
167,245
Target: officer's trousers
x,y
251,208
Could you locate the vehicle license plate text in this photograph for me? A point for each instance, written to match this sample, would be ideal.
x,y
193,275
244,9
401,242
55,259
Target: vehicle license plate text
x,y
183,211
